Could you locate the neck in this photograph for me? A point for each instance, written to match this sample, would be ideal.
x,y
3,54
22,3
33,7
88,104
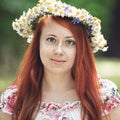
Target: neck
x,y
57,82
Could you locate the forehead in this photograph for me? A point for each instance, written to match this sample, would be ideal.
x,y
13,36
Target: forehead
x,y
52,27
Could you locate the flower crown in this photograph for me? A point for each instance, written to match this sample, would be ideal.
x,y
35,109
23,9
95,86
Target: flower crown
x,y
26,23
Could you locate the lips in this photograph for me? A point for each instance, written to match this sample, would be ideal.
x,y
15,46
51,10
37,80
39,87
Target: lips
x,y
57,61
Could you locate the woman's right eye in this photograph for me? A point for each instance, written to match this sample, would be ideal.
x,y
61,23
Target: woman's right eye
x,y
51,40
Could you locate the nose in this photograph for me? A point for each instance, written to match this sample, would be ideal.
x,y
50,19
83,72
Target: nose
x,y
59,49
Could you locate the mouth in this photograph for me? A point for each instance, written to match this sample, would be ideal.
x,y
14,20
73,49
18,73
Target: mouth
x,y
57,61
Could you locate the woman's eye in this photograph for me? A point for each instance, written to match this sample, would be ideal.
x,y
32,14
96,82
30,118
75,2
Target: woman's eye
x,y
52,40
70,42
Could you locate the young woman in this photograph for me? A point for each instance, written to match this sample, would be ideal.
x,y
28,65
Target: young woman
x,y
57,79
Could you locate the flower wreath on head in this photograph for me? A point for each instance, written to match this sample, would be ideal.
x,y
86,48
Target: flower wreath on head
x,y
26,23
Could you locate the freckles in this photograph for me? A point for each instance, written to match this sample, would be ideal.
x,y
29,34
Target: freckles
x,y
71,52
43,47
46,50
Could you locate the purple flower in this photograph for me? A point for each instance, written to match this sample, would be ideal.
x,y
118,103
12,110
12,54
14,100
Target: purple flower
x,y
67,9
89,29
91,17
21,30
31,18
42,12
76,21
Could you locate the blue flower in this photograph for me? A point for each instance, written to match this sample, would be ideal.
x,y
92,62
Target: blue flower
x,y
76,21
31,18
42,12
91,17
21,30
67,9
89,29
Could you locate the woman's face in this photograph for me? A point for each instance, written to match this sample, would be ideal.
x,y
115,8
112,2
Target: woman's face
x,y
57,48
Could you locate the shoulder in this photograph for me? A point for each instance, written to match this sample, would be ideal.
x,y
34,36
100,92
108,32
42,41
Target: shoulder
x,y
114,115
7,99
4,116
110,95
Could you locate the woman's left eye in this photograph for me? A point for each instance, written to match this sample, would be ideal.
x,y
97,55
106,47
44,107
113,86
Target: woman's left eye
x,y
70,42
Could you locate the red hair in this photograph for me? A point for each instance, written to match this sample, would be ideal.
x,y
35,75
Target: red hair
x,y
29,79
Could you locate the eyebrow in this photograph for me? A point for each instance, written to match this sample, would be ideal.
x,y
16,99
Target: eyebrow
x,y
56,36
51,35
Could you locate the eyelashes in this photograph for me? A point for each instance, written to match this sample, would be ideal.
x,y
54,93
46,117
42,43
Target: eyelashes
x,y
51,40
67,42
70,42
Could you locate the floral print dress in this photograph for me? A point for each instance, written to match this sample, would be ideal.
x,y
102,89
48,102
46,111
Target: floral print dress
x,y
65,110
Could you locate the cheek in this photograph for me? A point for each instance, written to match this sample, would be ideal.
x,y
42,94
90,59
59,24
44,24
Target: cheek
x,y
72,55
73,59
45,52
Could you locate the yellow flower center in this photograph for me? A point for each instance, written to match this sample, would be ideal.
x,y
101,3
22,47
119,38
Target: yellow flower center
x,y
50,9
61,12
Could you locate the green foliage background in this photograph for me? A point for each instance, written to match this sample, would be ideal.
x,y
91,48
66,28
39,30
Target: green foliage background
x,y
12,46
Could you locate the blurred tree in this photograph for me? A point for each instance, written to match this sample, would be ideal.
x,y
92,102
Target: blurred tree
x,y
13,46
114,35
16,7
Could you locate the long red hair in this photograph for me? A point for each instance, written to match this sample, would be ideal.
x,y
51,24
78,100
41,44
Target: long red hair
x,y
29,79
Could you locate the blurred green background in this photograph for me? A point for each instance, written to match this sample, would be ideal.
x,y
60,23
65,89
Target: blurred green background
x,y
13,47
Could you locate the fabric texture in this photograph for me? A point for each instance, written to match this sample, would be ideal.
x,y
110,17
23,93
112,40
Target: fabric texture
x,y
65,110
